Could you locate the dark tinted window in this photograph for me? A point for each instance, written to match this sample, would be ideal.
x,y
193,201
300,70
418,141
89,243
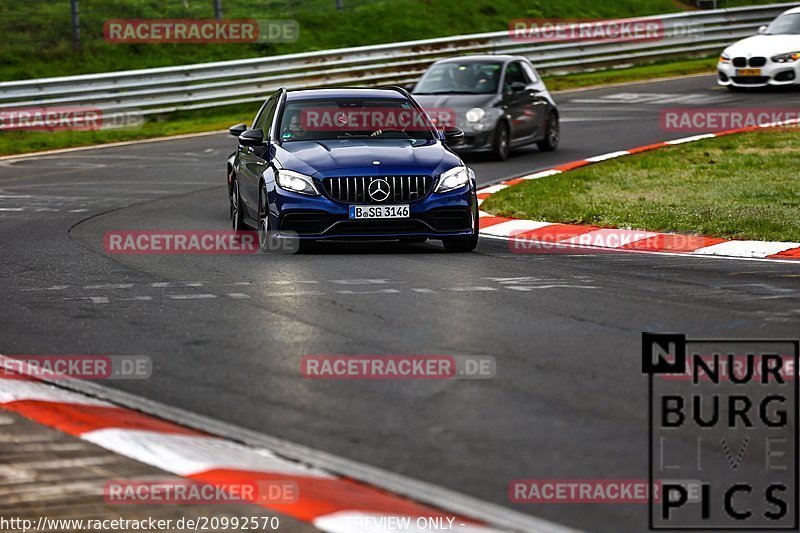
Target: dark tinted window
x,y
514,73
265,117
470,77
353,118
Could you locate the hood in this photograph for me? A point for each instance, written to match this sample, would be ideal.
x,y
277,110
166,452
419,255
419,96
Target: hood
x,y
460,103
764,45
332,158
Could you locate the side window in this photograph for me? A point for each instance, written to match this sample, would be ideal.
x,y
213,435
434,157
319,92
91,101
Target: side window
x,y
514,73
530,72
264,119
259,116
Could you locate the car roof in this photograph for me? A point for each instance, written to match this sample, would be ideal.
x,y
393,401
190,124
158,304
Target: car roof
x,y
483,57
344,92
793,10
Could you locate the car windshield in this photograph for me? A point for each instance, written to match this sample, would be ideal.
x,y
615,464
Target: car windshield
x,y
473,77
353,118
785,25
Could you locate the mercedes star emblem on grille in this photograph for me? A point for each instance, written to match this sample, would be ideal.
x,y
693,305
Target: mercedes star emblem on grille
x,y
379,190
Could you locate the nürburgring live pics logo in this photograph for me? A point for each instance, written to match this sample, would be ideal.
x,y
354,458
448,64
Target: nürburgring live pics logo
x,y
723,421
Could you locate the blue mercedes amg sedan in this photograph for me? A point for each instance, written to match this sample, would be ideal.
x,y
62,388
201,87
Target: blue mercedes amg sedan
x,y
351,164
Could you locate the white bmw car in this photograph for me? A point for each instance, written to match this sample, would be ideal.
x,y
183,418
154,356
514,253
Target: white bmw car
x,y
770,58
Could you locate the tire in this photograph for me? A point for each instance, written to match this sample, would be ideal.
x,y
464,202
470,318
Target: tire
x,y
263,219
552,134
501,146
237,216
464,244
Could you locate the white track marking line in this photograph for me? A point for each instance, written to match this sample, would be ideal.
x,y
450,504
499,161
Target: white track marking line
x,y
652,252
420,491
692,138
53,288
505,229
293,293
378,291
109,286
757,249
238,296
493,189
606,157
186,455
15,390
191,296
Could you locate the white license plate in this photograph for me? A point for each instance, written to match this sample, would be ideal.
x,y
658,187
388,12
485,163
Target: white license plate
x,y
379,211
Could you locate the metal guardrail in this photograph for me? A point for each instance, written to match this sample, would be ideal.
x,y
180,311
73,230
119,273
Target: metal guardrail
x,y
160,90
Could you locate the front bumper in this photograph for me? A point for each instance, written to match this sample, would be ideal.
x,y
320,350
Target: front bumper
x,y
435,216
772,74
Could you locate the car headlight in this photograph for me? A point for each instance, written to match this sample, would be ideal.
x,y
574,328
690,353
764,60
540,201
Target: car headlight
x,y
475,114
786,58
296,182
724,58
452,179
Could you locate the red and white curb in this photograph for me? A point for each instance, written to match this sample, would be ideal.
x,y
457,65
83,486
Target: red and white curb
x,y
522,232
331,502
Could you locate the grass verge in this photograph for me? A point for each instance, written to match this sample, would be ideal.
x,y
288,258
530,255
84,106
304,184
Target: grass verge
x,y
178,123
742,186
667,69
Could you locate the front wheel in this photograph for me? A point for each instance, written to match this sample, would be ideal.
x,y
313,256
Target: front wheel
x,y
237,217
501,146
263,219
464,244
552,134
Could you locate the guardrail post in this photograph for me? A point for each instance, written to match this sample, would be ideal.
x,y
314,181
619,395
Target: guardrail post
x,y
218,9
339,4
76,26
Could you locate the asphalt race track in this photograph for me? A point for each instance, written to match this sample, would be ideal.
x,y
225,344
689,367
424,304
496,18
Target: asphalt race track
x,y
226,332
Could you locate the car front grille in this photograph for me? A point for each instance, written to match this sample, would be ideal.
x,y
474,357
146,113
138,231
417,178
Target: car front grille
x,y
356,189
753,62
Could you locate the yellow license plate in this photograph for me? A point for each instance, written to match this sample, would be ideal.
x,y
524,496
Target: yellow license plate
x,y
748,72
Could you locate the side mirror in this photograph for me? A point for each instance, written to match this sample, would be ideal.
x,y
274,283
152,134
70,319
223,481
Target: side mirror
x,y
517,86
252,138
237,129
762,30
453,135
